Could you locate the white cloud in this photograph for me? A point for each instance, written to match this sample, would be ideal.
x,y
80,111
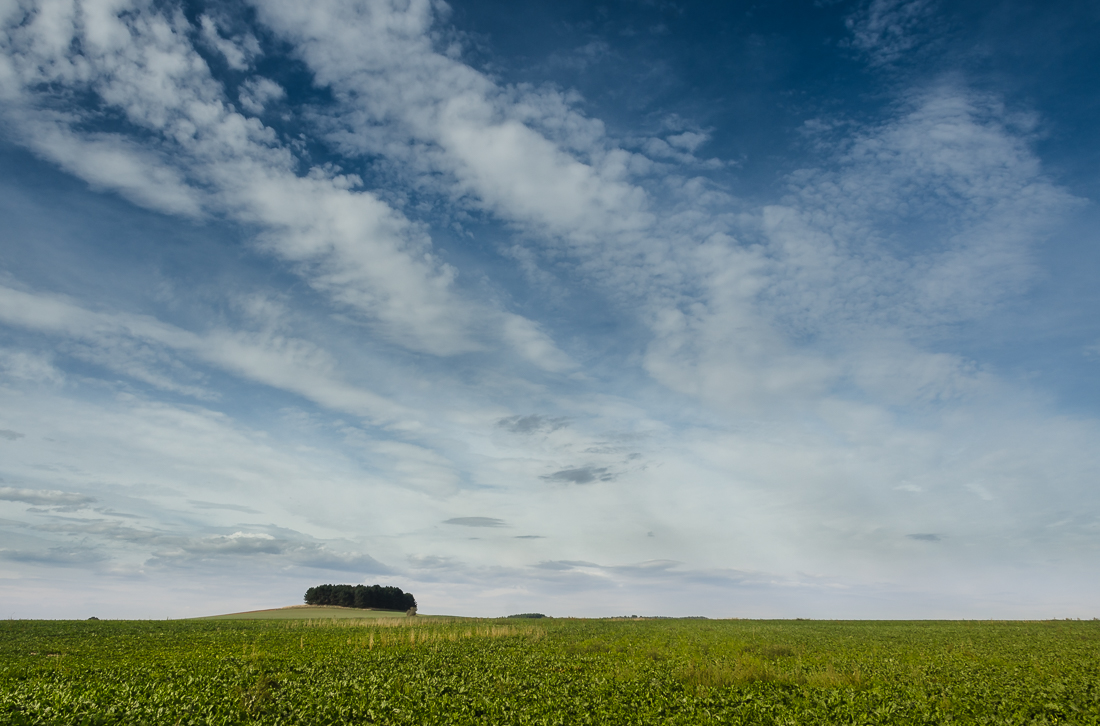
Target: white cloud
x,y
113,163
238,52
25,366
829,268
200,157
689,140
257,93
432,113
126,465
887,30
926,220
535,345
149,350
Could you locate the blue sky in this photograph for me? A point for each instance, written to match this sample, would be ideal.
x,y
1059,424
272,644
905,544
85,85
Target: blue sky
x,y
777,310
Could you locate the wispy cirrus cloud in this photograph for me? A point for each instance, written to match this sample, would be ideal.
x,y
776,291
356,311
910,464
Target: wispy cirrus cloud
x,y
150,350
887,30
199,156
830,252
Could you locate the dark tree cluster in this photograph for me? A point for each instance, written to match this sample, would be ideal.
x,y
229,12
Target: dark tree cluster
x,y
361,596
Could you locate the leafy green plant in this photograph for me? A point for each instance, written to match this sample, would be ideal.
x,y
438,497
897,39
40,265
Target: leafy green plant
x,y
548,671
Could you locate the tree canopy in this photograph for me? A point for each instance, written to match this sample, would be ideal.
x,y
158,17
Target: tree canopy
x,y
361,596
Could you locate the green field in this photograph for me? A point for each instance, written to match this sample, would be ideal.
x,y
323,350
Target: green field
x,y
451,671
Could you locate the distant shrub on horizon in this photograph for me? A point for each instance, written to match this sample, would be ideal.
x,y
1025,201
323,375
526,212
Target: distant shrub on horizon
x,y
529,615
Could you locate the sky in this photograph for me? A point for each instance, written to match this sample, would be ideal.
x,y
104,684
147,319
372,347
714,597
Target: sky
x,y
729,309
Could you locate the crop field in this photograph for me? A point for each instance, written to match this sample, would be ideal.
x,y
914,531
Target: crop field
x,y
451,671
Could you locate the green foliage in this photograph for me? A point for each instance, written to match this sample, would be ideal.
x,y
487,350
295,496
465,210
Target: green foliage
x,y
548,671
529,616
360,596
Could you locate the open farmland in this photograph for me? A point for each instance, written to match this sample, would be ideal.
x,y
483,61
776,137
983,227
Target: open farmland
x,y
451,671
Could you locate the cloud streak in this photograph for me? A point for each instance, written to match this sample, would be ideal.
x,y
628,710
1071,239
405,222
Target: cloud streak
x,y
205,158
476,522
44,497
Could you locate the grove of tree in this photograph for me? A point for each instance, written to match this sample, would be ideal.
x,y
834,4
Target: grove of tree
x,y
374,597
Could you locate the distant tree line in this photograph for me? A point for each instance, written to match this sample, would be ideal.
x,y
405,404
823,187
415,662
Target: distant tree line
x,y
361,596
529,615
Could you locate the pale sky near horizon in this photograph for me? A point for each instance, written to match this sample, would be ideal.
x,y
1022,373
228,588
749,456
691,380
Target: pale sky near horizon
x,y
670,308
